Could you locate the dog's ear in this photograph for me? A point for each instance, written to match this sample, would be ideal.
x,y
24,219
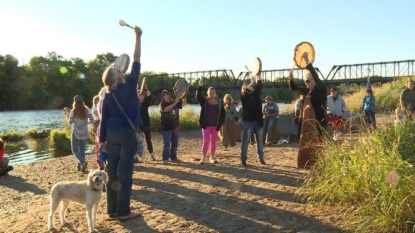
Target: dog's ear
x,y
89,180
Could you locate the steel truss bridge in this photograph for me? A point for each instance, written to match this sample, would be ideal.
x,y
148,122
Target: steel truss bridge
x,y
379,72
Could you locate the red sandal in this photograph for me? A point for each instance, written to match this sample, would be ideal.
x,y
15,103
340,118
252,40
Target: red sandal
x,y
131,215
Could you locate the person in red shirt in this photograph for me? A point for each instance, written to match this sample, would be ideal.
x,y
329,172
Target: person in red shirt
x,y
4,161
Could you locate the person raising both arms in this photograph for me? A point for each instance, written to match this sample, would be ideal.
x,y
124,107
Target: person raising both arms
x,y
312,122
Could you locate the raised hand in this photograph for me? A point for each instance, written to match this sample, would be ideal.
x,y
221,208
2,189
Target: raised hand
x,y
138,31
305,57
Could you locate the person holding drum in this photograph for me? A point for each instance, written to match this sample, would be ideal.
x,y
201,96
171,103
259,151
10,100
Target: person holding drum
x,y
170,122
119,126
252,118
313,114
211,119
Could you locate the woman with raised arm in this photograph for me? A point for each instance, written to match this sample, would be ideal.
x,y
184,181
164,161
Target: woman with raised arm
x,y
117,136
211,118
312,122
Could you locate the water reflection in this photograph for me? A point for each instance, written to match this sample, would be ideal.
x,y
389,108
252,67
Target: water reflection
x,y
31,150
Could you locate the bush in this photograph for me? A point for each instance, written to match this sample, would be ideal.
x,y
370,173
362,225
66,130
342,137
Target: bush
x,y
59,139
12,135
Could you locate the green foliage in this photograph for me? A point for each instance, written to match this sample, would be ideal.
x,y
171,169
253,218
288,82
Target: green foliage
x,y
155,121
188,120
372,178
59,140
387,96
13,135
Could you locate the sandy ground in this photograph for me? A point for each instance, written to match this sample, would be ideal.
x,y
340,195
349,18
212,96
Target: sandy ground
x,y
182,197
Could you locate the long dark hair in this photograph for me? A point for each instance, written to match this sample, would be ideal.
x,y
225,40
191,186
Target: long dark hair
x,y
79,110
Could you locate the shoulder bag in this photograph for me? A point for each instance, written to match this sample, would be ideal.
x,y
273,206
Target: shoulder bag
x,y
140,146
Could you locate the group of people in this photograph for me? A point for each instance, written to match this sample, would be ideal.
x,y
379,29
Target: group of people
x,y
256,120
120,114
315,110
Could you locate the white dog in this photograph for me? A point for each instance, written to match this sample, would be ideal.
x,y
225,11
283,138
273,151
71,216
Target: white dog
x,y
87,193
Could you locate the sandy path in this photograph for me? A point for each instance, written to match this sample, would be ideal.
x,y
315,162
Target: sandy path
x,y
184,197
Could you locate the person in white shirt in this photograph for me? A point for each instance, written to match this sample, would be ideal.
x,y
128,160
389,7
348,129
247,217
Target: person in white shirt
x,y
335,109
79,116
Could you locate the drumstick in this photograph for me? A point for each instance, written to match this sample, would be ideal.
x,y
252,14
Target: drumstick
x,y
250,74
123,23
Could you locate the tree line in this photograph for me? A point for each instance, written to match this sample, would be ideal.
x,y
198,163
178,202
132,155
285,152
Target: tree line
x,y
51,82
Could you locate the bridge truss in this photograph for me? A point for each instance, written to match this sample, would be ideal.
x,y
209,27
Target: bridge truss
x,y
349,73
215,78
389,69
278,75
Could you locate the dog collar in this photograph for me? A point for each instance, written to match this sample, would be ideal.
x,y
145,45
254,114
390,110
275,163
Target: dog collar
x,y
96,190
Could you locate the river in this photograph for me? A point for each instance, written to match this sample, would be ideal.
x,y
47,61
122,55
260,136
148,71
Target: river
x,y
28,151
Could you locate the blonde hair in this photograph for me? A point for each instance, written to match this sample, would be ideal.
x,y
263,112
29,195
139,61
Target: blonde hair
x,y
227,96
109,77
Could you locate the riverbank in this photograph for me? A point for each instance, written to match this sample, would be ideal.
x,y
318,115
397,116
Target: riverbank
x,y
183,197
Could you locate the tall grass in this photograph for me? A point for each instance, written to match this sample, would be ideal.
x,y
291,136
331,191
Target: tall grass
x,y
188,120
13,135
387,96
373,178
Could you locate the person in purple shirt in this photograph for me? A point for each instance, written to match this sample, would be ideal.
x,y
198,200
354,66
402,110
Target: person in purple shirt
x,y
117,136
211,119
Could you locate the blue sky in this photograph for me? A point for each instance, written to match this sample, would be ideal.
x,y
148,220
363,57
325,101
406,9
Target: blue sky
x,y
186,35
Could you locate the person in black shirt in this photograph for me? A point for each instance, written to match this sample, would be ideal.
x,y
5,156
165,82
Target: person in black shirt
x,y
252,119
170,122
145,99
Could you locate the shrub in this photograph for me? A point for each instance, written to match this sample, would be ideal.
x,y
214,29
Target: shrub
x,y
59,139
12,135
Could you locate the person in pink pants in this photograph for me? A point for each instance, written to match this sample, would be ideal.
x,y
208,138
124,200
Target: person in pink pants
x,y
211,119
